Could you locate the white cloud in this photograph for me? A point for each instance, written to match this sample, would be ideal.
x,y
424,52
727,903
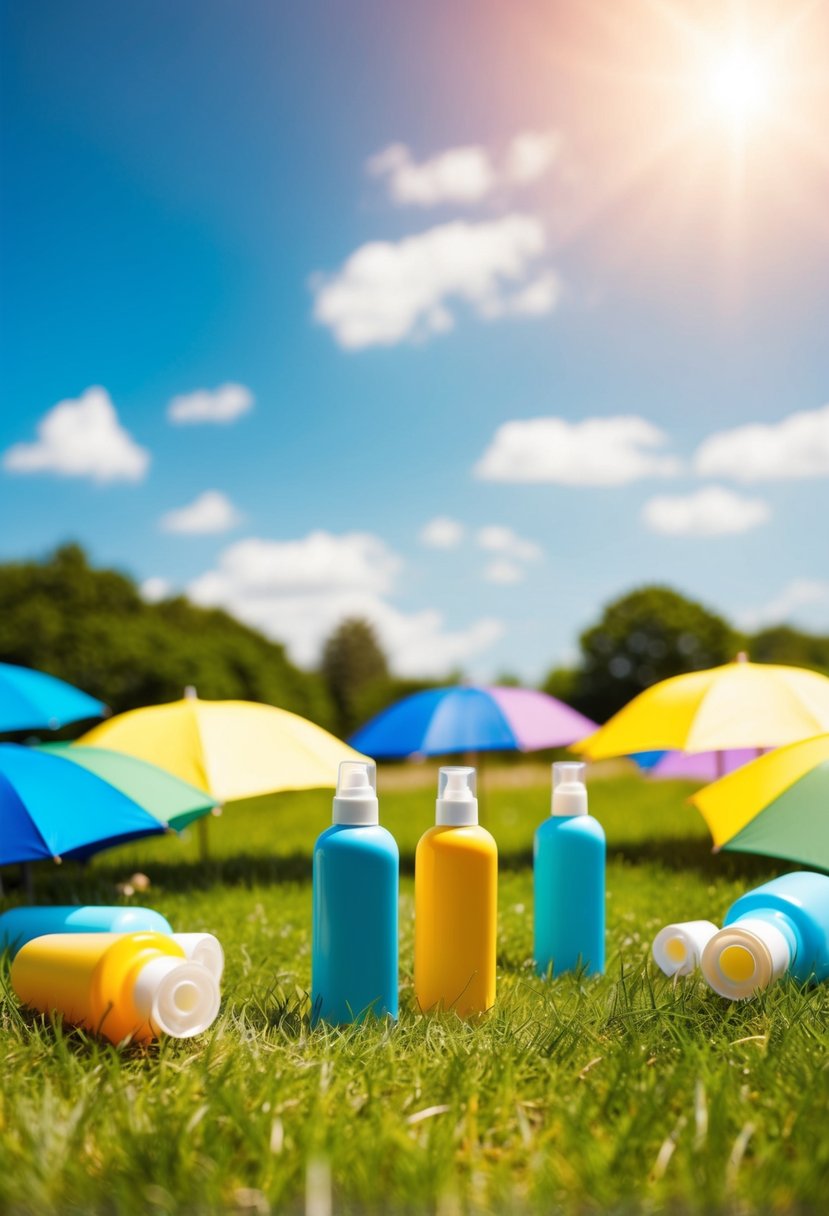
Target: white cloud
x,y
442,533
81,437
388,291
499,539
800,594
154,589
463,175
530,155
223,404
710,511
298,591
593,452
458,175
208,514
504,571
796,447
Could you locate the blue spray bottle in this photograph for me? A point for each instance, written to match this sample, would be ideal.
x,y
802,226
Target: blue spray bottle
x,y
569,880
779,928
356,869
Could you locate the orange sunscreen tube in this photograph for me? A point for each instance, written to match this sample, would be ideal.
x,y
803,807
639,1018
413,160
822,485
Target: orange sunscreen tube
x,y
137,985
456,880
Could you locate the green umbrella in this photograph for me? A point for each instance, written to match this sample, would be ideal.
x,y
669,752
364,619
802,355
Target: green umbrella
x,y
167,798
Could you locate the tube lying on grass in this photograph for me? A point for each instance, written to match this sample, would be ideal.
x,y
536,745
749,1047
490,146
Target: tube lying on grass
x,y
678,948
21,925
137,985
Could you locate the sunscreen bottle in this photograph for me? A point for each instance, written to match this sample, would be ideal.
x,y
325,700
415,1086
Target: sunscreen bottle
x,y
20,925
456,892
569,880
780,928
677,949
355,894
119,985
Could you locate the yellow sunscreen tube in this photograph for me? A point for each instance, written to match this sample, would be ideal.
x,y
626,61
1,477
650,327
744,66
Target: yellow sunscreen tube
x,y
131,985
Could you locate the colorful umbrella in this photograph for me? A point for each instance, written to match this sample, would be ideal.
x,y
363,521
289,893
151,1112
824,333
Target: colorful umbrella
x,y
778,805
231,749
739,705
694,766
463,719
33,700
51,808
172,802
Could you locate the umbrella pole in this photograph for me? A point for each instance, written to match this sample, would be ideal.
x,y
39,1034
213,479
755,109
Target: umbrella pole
x,y
720,761
204,851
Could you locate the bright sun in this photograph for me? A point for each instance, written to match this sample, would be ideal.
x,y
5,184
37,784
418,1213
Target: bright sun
x,y
741,86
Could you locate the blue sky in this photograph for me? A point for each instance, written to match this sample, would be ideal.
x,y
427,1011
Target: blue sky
x,y
400,233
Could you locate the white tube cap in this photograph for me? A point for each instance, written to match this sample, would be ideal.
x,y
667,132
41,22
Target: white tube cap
x,y
203,948
569,790
177,997
745,957
355,802
457,805
678,948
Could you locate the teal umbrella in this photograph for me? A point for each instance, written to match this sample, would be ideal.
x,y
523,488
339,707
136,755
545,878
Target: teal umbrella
x,y
34,700
173,802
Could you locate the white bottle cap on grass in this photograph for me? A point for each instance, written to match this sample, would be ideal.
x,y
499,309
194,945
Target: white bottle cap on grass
x,y
355,802
177,997
677,949
745,957
203,948
569,790
457,805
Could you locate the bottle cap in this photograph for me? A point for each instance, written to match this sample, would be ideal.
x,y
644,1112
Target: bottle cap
x,y
745,957
569,790
203,948
177,997
457,805
355,802
678,948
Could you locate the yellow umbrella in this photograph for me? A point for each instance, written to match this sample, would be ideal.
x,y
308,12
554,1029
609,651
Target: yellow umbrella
x,y
738,705
231,749
778,805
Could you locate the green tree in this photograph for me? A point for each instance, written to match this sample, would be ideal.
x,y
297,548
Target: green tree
x,y
356,673
646,636
92,627
784,644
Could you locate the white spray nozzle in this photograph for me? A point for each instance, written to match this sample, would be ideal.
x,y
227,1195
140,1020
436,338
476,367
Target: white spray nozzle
x,y
745,957
457,804
355,801
178,998
569,790
677,949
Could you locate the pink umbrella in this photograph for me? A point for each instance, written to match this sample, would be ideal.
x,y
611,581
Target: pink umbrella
x,y
702,766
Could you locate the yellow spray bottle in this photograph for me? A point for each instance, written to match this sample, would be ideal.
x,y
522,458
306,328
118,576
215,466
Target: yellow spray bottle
x,y
456,882
135,985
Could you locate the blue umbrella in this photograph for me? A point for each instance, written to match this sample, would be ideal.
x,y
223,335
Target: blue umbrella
x,y
33,700
51,808
466,719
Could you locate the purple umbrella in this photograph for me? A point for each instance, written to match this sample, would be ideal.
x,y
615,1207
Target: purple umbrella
x,y
702,766
439,721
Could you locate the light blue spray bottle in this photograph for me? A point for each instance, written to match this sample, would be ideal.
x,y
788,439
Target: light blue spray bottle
x,y
569,880
356,876
21,925
779,928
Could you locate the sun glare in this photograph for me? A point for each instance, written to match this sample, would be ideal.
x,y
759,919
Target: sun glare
x,y
741,86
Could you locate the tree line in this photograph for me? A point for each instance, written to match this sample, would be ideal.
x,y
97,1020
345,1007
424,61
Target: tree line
x,y
92,627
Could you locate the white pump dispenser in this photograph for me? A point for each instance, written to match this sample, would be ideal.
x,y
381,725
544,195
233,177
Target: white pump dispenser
x,y
569,790
355,802
457,805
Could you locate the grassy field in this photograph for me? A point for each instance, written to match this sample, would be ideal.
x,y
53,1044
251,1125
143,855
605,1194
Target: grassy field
x,y
624,1093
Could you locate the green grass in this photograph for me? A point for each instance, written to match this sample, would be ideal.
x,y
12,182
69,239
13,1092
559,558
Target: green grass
x,y
623,1093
